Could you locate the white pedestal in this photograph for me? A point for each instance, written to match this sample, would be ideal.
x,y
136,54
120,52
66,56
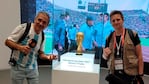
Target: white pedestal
x,y
76,70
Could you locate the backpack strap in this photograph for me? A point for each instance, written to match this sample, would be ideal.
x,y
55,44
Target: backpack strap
x,y
131,34
38,57
42,39
25,32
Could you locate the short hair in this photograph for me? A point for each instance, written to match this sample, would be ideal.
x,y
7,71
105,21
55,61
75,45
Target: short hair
x,y
44,13
116,12
64,14
106,14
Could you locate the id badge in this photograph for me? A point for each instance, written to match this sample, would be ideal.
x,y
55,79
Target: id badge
x,y
118,64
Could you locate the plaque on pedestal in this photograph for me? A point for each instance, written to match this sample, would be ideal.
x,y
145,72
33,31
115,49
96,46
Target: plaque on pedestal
x,y
73,62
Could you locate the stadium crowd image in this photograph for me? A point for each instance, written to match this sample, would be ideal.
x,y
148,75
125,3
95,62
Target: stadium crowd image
x,y
89,40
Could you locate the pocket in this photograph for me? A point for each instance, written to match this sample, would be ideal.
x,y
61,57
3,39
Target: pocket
x,y
130,48
133,60
130,45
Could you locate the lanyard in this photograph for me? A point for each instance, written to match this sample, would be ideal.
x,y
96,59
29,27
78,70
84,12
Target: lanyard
x,y
121,42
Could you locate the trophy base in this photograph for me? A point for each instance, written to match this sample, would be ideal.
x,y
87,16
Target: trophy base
x,y
79,54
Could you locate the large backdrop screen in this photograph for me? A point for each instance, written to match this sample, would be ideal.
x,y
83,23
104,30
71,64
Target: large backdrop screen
x,y
136,16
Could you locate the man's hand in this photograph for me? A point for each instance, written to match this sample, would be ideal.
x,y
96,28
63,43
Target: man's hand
x,y
106,52
52,57
25,49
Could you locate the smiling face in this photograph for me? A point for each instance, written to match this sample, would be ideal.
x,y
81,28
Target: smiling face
x,y
117,21
41,21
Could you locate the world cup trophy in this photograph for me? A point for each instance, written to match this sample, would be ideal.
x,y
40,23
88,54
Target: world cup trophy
x,y
80,37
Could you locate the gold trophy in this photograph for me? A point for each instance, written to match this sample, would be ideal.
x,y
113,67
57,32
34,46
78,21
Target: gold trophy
x,y
80,37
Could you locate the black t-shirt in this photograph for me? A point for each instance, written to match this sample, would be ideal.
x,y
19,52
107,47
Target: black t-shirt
x,y
136,38
136,42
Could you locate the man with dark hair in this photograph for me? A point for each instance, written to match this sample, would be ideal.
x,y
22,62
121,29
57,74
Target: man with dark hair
x,y
88,30
60,34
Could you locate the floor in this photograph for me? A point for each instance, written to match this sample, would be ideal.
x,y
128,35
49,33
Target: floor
x,y
45,76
